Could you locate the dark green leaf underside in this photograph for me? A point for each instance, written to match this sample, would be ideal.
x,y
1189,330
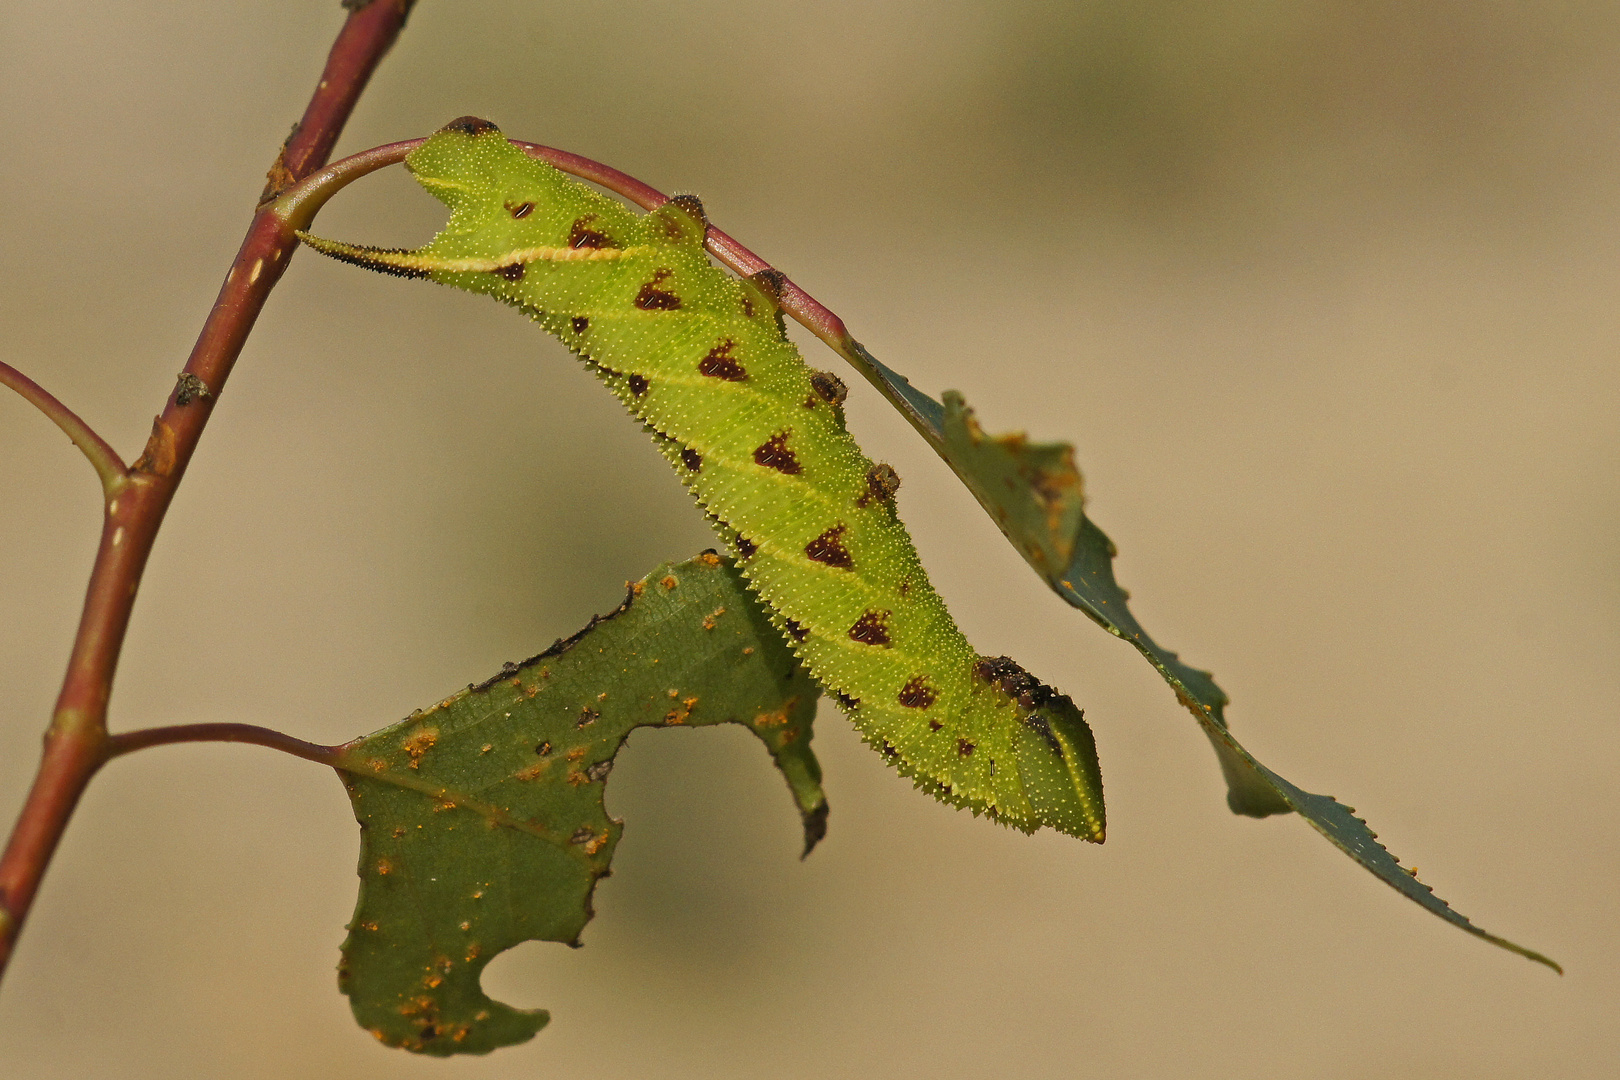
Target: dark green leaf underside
x,y
1034,493
482,818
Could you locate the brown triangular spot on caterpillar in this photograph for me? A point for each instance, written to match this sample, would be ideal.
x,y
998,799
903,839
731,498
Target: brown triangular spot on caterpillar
x,y
828,548
934,725
471,125
846,701
888,750
511,271
881,484
652,298
871,628
691,459
580,324
773,453
745,547
720,364
964,747
917,694
795,629
811,401
829,386
581,235
520,211
638,384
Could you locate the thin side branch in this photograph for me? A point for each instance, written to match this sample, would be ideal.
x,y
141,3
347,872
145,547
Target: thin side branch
x,y
103,458
77,743
129,741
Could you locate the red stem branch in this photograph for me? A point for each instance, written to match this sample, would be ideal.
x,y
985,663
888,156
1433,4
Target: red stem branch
x,y
130,741
77,743
103,458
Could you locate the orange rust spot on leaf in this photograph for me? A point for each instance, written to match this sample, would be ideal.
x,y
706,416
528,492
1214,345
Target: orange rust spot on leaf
x,y
668,581
384,867
682,714
531,773
771,719
709,620
419,743
709,559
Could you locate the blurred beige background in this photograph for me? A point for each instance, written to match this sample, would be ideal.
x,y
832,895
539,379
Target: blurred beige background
x,y
1323,293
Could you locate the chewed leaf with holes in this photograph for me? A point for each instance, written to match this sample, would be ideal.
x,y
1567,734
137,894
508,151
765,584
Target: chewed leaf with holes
x,y
700,357
482,820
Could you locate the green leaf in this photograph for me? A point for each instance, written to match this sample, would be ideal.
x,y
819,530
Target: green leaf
x,y
1035,495
481,818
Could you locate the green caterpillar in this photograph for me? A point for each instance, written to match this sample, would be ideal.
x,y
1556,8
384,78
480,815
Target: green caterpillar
x,y
701,358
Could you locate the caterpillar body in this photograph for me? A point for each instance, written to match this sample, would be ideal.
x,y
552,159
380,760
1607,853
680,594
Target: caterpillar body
x,y
701,358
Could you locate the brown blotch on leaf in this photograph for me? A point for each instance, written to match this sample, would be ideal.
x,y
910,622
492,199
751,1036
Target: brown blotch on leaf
x,y
881,484
795,629
581,235
964,747
511,271
829,549
652,298
917,694
587,716
691,459
773,453
521,210
871,629
638,384
580,324
829,386
543,749
600,770
470,125
720,364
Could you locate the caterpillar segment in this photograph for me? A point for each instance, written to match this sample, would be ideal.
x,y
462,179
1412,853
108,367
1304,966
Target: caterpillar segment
x,y
700,357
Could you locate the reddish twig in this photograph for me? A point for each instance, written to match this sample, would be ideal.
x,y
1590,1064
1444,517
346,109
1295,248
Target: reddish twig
x,y
77,743
103,458
129,741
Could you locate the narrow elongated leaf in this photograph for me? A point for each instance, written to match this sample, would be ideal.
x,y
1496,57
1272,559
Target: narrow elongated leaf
x,y
482,819
1035,495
